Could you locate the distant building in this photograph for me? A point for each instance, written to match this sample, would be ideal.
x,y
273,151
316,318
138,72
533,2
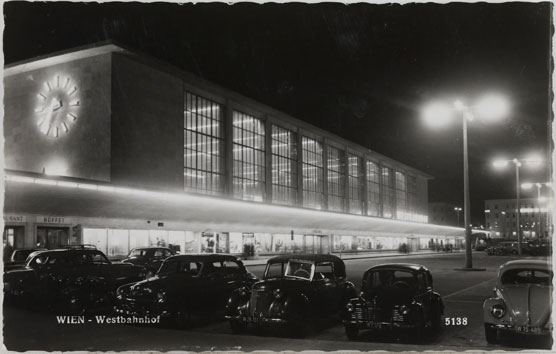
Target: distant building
x,y
501,218
441,213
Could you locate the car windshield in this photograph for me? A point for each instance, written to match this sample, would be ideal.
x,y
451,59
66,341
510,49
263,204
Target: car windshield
x,y
21,255
390,278
292,268
180,267
527,276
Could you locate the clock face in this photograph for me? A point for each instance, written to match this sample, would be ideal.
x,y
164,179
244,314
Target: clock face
x,y
57,107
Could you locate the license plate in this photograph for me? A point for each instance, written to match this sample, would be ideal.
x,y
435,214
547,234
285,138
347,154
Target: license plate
x,y
525,329
250,319
374,325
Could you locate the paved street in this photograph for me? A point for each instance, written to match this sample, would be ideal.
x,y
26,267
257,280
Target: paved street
x,y
463,294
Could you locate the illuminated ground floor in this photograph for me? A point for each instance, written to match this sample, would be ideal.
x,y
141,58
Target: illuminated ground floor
x,y
42,211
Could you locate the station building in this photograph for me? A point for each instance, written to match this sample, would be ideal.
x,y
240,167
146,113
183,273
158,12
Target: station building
x,y
109,147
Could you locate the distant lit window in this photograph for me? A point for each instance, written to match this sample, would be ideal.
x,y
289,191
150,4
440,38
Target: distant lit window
x,y
355,184
203,147
401,196
284,166
373,189
249,157
336,187
313,186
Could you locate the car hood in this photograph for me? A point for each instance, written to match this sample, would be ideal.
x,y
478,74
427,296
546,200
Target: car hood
x,y
528,304
286,284
151,286
389,297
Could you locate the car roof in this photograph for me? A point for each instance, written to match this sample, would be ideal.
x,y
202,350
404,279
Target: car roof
x,y
151,248
405,266
305,257
525,263
69,251
203,257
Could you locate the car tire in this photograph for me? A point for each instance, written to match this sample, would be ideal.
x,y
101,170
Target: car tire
x,y
491,334
237,326
351,332
182,318
436,320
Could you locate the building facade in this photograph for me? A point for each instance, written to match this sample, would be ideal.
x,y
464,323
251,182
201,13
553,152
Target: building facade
x,y
501,218
442,213
107,147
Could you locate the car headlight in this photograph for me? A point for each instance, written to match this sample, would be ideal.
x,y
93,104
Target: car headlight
x,y
243,291
404,310
161,296
278,294
498,311
350,307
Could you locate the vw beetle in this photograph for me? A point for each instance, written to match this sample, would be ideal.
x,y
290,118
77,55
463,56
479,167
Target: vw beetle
x,y
522,303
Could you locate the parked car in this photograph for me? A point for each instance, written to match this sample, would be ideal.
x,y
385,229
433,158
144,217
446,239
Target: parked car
x,y
149,257
295,288
73,280
522,302
540,248
504,248
394,296
185,285
18,257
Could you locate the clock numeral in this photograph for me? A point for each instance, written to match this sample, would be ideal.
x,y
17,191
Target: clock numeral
x,y
48,86
67,83
65,127
56,134
72,91
42,96
72,117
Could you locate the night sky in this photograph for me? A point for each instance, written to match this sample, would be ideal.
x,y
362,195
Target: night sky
x,y
362,71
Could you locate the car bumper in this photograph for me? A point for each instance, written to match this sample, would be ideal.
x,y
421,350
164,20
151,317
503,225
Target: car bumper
x,y
362,324
527,330
141,309
258,320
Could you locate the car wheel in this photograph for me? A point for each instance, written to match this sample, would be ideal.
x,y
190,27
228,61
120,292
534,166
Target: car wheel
x,y
182,318
237,326
352,332
420,328
436,319
491,334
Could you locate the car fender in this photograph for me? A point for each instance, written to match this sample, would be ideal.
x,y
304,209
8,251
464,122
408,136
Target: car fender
x,y
238,298
437,300
350,291
487,305
297,303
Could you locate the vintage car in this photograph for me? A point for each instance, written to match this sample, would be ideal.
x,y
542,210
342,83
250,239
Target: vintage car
x,y
394,296
73,280
295,289
185,285
540,248
522,302
18,258
149,257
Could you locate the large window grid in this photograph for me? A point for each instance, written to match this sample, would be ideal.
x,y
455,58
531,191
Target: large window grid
x,y
387,193
284,166
336,175
412,201
401,196
203,148
249,157
313,184
355,183
373,189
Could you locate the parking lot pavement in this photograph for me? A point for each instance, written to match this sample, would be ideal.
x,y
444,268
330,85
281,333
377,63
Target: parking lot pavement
x,y
463,293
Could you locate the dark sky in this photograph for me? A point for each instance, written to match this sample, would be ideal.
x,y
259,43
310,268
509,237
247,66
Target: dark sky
x,y
363,71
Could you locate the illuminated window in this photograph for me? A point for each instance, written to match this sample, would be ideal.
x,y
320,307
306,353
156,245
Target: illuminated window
x,y
373,189
387,193
203,147
336,186
413,204
355,183
284,166
401,196
249,157
312,159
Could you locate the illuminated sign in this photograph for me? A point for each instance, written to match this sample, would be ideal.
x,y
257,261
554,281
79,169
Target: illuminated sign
x,y
15,218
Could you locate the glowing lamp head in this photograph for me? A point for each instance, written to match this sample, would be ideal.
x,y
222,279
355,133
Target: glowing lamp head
x,y
492,107
56,168
437,114
500,163
527,185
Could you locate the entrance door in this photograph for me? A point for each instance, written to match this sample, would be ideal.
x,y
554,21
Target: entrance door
x,y
52,237
313,244
13,239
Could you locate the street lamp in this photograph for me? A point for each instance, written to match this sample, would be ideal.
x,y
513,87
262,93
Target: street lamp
x,y
457,210
533,161
490,107
539,200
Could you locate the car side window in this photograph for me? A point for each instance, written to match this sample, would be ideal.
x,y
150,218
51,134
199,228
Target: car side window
x,y
159,253
99,259
421,282
324,271
232,267
167,253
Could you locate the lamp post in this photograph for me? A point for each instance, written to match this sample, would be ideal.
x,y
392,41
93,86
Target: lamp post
x,y
457,210
518,164
491,107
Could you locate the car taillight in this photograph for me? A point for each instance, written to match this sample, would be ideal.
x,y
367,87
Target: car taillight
x,y
498,311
